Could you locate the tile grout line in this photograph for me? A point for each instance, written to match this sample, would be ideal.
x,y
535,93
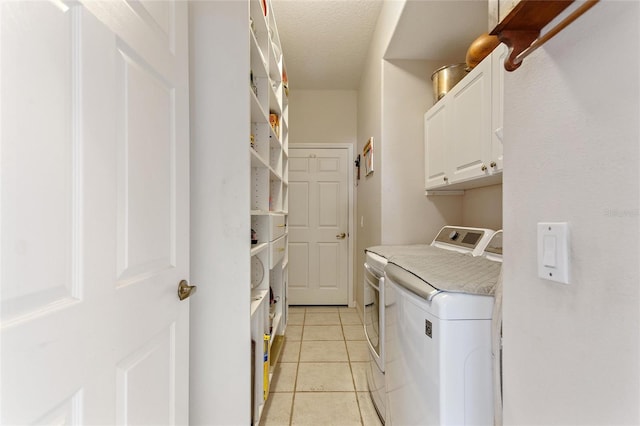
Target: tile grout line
x,y
353,379
295,382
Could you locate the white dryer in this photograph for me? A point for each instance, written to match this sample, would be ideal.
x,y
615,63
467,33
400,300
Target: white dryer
x,y
461,239
438,365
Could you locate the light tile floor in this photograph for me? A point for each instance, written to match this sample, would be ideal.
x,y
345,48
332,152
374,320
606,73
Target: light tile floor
x,y
321,375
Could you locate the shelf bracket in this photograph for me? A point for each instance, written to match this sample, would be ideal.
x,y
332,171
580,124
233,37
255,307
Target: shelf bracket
x,y
520,29
518,42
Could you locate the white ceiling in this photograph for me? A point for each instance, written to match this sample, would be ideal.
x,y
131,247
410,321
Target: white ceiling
x,y
325,41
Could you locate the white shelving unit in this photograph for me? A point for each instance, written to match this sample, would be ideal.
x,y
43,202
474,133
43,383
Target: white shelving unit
x,y
240,169
269,202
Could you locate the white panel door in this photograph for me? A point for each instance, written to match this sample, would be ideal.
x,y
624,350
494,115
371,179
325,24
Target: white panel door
x,y
318,226
94,212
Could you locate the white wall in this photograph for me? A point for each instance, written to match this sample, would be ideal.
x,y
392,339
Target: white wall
x,y
369,125
571,352
220,339
323,116
482,207
408,216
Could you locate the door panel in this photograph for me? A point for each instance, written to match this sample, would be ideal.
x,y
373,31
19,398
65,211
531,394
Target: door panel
x,y
145,382
328,254
299,204
146,198
32,168
298,256
318,215
94,212
328,205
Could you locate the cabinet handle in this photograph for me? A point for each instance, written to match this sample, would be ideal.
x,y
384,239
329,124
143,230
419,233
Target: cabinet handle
x,y
493,164
280,226
483,168
446,179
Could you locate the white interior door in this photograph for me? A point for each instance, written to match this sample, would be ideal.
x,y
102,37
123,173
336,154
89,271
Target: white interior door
x,y
94,212
318,226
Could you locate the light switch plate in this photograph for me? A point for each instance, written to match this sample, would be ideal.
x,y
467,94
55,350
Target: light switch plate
x,y
553,251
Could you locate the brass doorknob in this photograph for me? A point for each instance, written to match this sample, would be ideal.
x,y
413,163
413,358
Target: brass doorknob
x,y
341,236
185,290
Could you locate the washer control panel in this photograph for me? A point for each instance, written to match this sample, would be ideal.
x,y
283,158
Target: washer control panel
x,y
463,239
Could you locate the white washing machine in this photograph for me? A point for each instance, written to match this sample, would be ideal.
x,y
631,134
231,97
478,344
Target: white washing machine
x,y
438,365
462,239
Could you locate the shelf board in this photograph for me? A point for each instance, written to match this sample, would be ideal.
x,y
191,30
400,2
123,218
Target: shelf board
x,y
257,160
531,15
259,21
257,298
274,64
275,176
274,140
257,113
258,63
260,213
258,248
459,187
260,409
521,29
274,103
274,325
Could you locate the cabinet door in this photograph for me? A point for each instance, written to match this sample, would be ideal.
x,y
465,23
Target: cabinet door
x,y
468,149
497,104
435,144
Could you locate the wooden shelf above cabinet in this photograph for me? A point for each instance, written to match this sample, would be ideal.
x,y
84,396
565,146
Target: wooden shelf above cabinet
x,y
520,29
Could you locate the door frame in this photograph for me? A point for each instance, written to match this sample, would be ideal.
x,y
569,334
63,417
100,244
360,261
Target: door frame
x,y
350,212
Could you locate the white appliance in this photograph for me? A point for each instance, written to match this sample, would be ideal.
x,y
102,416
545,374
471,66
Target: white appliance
x,y
472,240
438,365
374,327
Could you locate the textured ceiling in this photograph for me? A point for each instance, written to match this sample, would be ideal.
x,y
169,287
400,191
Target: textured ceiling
x,y
325,41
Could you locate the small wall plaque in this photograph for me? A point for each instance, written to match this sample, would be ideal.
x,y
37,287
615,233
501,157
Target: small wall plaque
x,y
367,154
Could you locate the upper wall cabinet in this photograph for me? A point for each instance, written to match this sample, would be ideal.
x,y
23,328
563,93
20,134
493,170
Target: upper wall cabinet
x,y
463,130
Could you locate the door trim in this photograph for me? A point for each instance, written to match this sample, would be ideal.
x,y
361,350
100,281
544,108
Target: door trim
x,y
351,209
